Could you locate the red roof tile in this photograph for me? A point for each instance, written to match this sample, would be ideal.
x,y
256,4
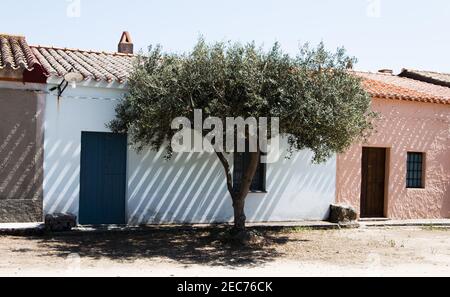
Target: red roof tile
x,y
99,66
389,86
16,54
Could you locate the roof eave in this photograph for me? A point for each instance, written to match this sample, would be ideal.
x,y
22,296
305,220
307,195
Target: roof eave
x,y
91,83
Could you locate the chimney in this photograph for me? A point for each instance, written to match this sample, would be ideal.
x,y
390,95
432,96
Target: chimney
x,y
386,71
126,45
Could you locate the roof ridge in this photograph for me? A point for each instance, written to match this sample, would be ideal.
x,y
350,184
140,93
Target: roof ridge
x,y
82,51
421,71
406,79
372,72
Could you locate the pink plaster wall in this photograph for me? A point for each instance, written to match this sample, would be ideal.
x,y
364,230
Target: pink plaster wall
x,y
404,127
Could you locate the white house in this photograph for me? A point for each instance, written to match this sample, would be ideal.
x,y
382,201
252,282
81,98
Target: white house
x,y
96,175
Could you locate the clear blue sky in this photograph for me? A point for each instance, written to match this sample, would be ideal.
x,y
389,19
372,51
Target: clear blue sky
x,y
380,33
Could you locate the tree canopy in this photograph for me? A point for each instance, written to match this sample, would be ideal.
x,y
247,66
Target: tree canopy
x,y
321,105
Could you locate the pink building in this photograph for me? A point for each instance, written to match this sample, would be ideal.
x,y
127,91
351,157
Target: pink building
x,y
403,170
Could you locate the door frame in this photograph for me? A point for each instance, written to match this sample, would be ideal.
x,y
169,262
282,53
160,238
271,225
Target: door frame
x,y
386,179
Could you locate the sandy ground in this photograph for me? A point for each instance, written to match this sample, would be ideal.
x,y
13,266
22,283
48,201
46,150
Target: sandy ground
x,y
200,252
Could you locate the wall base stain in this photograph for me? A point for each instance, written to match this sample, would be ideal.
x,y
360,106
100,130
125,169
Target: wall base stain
x,y
23,211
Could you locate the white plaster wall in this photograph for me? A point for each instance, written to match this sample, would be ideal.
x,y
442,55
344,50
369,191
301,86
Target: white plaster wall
x,y
190,188
64,121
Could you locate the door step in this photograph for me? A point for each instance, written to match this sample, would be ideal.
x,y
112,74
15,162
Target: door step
x,y
374,220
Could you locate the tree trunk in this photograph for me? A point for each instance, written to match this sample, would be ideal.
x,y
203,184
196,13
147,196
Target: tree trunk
x,y
239,215
239,198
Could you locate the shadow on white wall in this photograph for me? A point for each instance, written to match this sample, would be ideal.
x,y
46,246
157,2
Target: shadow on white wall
x,y
191,188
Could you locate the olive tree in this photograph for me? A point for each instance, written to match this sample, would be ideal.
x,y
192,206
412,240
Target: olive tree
x,y
320,104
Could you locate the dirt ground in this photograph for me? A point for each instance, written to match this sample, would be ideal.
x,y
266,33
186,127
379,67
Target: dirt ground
x,y
202,252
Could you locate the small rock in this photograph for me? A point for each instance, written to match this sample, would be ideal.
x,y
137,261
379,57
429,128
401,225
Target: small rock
x,y
246,238
60,222
342,214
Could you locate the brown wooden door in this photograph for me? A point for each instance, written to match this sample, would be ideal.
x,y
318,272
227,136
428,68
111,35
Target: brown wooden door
x,y
373,182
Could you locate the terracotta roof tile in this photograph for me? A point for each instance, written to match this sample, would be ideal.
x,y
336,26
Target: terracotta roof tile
x,y
16,54
98,66
389,86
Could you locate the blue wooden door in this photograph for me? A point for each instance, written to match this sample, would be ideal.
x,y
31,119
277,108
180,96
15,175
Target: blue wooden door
x,y
102,178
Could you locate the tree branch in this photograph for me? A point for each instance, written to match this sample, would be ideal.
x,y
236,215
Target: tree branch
x,y
227,167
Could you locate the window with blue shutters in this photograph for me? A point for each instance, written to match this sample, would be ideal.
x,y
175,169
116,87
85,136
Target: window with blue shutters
x,y
415,171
